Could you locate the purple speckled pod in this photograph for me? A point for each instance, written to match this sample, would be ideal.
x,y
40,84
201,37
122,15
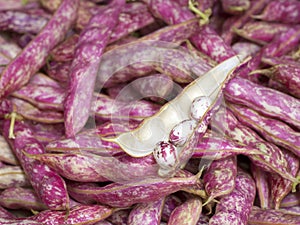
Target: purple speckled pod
x,y
94,168
287,75
270,216
7,155
214,146
134,16
21,198
9,48
262,186
65,50
171,202
49,186
81,214
235,207
84,67
43,79
20,221
51,5
187,213
235,6
261,32
219,178
281,11
146,213
12,176
238,21
295,210
21,22
18,73
272,130
280,186
30,112
5,214
292,199
124,195
265,100
272,160
42,96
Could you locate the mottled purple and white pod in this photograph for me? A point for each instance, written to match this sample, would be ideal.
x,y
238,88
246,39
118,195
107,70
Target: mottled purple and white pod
x,y
181,132
236,22
171,202
166,155
271,216
30,112
272,130
261,32
282,187
43,79
65,50
272,158
21,22
81,214
6,214
59,71
49,186
146,213
12,176
42,96
262,186
187,213
21,198
34,55
84,67
265,100
281,11
292,199
219,178
199,107
236,207
127,194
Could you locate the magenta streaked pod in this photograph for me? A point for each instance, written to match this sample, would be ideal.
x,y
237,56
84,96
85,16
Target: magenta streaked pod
x,y
199,106
165,154
181,132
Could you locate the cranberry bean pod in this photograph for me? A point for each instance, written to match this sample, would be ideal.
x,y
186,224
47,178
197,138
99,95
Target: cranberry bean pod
x,y
245,49
21,198
187,213
84,67
124,195
239,201
171,202
18,73
30,112
59,71
280,186
262,99
42,96
146,213
6,214
119,217
43,79
93,168
219,179
49,186
261,32
270,216
21,22
21,221
81,214
292,199
271,129
272,159
281,11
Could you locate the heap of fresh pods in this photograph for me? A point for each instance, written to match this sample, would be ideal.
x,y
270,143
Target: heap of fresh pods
x,y
152,112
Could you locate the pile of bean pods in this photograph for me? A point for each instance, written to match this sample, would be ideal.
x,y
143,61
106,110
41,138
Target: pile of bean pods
x,y
150,112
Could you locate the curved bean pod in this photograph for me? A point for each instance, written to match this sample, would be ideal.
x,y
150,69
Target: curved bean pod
x,y
12,176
